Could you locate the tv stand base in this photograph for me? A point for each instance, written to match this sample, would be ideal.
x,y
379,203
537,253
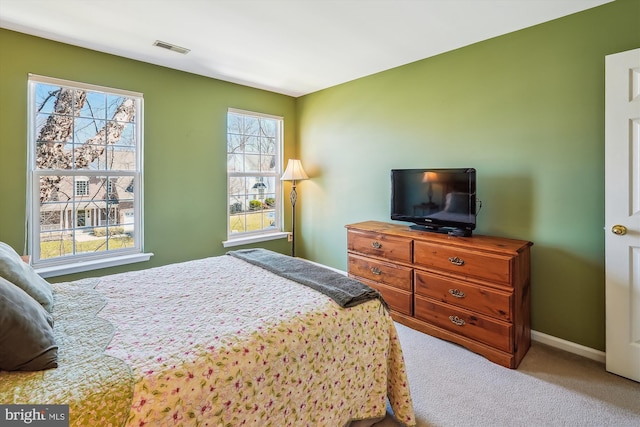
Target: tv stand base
x,y
451,231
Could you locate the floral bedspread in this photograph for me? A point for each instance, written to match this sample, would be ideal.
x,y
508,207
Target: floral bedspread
x,y
221,342
85,374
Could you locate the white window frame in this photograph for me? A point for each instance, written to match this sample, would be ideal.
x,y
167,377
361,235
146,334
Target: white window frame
x,y
235,239
75,263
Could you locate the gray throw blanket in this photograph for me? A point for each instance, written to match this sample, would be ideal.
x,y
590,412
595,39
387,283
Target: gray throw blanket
x,y
346,292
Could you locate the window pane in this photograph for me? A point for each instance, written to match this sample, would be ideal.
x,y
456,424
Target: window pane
x,y
237,186
268,163
88,243
268,128
268,145
252,163
251,126
235,163
236,222
57,125
54,244
54,151
88,131
252,145
55,189
50,218
121,108
120,158
94,105
126,137
45,98
270,183
53,128
234,123
255,220
235,143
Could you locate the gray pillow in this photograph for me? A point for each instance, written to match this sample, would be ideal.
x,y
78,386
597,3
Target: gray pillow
x,y
26,332
21,274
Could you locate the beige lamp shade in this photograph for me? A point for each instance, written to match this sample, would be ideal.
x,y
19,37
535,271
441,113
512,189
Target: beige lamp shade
x,y
294,171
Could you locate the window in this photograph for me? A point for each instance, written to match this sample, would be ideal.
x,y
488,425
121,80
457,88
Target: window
x,y
254,143
82,187
85,166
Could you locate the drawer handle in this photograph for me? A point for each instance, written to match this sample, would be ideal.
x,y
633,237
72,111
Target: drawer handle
x,y
376,271
457,293
456,320
376,245
456,261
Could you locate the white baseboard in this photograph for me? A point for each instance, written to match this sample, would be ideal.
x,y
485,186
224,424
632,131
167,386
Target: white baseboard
x,y
571,347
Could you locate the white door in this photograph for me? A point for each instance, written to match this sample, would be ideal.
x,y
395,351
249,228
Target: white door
x,y
622,213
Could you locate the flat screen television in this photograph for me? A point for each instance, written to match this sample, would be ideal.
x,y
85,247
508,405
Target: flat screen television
x,y
438,200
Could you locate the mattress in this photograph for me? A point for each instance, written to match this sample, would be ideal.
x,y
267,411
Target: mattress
x,y
217,341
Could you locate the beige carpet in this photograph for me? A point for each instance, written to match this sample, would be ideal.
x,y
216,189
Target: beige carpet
x,y
453,387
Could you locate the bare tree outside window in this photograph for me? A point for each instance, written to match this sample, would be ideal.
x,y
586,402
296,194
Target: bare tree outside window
x,y
84,161
253,171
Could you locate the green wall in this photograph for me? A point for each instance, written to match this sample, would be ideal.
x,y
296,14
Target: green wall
x,y
184,152
525,109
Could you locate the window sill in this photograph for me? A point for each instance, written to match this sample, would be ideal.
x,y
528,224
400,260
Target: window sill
x,y
255,239
96,264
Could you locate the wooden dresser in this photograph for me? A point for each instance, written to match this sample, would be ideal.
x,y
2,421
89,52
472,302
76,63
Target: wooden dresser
x,y
474,291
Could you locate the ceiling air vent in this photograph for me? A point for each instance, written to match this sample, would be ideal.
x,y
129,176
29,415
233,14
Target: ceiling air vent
x,y
172,47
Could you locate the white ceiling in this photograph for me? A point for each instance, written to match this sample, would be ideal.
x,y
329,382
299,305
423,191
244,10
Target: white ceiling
x,y
292,47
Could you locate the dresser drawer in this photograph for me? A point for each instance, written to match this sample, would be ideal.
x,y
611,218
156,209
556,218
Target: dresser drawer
x,y
381,245
381,272
398,300
495,333
476,298
466,263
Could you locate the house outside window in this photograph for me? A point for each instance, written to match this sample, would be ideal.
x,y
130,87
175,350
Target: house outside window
x,y
254,146
85,170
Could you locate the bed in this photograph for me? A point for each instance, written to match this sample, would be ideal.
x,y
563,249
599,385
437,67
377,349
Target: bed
x,y
221,341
